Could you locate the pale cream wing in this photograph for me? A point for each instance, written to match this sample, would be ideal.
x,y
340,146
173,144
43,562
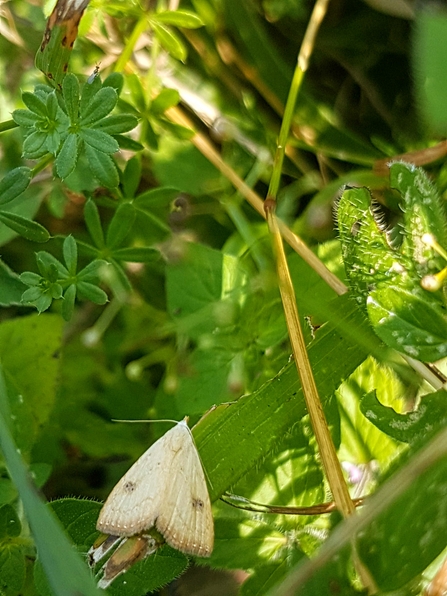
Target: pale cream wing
x,y
137,499
186,519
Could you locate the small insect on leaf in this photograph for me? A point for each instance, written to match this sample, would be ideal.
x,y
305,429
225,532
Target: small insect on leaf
x,y
62,29
94,74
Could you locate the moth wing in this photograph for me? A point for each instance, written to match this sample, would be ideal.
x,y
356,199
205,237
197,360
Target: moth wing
x,y
135,502
186,519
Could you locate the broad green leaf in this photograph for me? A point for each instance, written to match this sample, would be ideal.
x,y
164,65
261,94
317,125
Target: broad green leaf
x,y
414,527
10,525
429,57
103,167
430,415
33,372
99,140
169,40
66,571
14,183
261,541
200,272
410,321
67,157
11,286
12,566
31,230
179,18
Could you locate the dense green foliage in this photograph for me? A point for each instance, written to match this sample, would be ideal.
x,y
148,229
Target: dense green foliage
x,y
156,292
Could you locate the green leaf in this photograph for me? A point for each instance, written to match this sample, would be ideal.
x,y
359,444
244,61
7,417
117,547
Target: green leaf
x,y
424,213
68,156
33,294
170,41
24,118
11,286
35,145
93,222
180,18
91,271
31,279
128,143
429,416
50,267
34,104
89,291
12,567
116,124
103,167
66,571
167,98
120,225
137,92
52,106
131,177
53,141
413,526
10,525
429,57
69,302
102,104
70,250
368,257
89,90
410,321
70,90
99,140
137,254
32,372
14,183
31,230
114,80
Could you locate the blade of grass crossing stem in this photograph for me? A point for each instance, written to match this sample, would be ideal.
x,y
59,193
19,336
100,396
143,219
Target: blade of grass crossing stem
x,y
67,574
